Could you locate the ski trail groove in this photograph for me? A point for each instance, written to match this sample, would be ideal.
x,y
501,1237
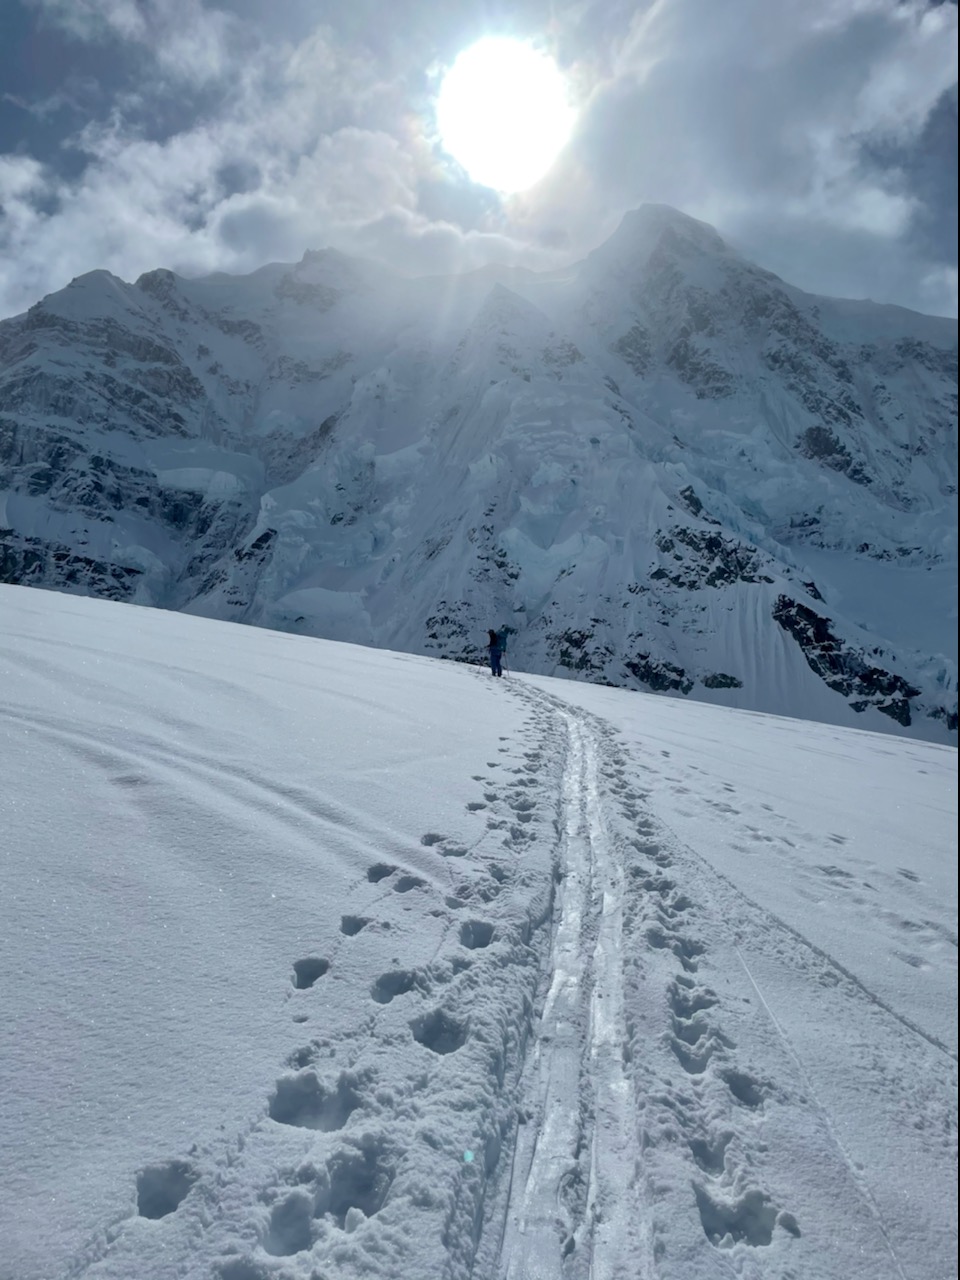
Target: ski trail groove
x,y
569,1210
865,1193
610,1203
823,955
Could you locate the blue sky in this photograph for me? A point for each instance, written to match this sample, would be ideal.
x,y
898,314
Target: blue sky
x,y
819,138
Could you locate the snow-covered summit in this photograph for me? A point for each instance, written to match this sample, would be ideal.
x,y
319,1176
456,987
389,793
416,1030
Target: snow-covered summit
x,y
663,468
652,228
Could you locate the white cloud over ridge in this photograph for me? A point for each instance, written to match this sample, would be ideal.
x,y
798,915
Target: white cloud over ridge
x,y
761,119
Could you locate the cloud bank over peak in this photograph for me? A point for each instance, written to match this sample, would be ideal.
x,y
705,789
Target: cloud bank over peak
x,y
820,139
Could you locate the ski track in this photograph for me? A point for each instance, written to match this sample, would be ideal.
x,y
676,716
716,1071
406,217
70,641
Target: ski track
x,y
569,1201
621,1134
634,1091
863,1188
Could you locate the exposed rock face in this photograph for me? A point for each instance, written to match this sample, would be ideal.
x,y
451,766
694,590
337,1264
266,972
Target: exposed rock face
x,y
704,558
664,470
843,668
34,562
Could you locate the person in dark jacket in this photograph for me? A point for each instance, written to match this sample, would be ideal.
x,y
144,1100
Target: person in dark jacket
x,y
495,649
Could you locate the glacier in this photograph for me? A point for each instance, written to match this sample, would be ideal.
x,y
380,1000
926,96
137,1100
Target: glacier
x,y
661,468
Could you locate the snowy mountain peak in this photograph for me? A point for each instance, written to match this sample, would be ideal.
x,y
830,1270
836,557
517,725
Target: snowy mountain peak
x,y
504,306
652,228
95,293
158,282
663,469
339,270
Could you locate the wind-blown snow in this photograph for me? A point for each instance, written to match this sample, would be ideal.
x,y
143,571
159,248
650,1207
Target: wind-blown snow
x,y
324,962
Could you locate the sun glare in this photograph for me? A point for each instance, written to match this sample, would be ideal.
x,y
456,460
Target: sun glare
x,y
503,113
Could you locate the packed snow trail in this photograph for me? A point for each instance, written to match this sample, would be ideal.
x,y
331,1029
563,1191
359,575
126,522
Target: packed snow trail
x,y
576,1142
612,1195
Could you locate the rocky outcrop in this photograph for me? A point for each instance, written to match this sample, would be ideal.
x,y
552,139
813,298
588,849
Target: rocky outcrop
x,y
43,563
842,667
706,559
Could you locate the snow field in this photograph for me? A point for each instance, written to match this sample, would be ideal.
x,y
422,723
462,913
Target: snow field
x,y
321,962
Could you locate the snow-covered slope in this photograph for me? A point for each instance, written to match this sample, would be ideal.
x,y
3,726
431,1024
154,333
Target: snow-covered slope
x,y
663,468
320,962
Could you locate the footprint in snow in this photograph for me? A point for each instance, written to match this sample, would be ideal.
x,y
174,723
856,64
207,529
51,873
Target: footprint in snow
x,y
487,891
687,1000
476,934
290,1229
161,1188
308,971
380,870
390,985
440,1032
305,1102
722,807
745,1088
750,1219
305,1056
406,883
709,1153
520,804
693,1056
356,1184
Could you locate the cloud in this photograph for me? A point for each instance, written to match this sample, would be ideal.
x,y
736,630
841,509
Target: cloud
x,y
95,19
282,166
804,132
766,119
187,41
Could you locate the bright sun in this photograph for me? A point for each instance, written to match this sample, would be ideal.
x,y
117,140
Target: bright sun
x,y
503,113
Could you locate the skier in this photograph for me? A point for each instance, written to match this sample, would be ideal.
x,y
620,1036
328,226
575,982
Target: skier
x,y
495,649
